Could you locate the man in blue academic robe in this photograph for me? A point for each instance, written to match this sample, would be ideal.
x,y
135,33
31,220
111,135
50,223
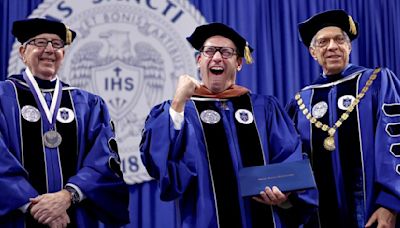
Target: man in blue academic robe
x,y
196,144
348,120
59,163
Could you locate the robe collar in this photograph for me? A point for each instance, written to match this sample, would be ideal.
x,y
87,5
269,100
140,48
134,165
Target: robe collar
x,y
43,84
349,71
233,91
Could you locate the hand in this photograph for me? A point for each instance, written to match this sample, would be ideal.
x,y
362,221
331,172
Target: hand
x,y
184,90
272,196
60,222
48,207
384,217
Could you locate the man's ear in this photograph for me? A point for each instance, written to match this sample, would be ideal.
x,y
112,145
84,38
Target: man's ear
x,y
21,52
239,63
198,58
312,53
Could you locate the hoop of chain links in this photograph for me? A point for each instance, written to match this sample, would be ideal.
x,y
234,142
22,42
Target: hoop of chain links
x,y
329,142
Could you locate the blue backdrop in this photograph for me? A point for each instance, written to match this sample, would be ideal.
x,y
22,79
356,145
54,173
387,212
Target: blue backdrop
x,y
282,63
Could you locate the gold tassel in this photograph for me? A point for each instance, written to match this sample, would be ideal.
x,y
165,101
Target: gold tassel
x,y
353,28
68,38
247,54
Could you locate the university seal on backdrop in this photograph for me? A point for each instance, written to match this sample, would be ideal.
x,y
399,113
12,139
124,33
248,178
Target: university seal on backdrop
x,y
131,53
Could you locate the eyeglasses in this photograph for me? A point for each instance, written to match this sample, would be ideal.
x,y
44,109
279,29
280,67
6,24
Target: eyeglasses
x,y
226,52
43,42
323,42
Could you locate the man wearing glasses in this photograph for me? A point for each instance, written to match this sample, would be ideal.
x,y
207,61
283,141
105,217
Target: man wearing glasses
x,y
348,120
59,164
195,144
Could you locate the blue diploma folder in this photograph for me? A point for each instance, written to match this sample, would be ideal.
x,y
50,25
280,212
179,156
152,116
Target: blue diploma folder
x,y
289,176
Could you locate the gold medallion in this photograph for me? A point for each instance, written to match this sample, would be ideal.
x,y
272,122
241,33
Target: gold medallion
x,y
329,143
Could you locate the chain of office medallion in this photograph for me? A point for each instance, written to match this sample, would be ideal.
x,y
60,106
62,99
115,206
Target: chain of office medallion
x,y
329,142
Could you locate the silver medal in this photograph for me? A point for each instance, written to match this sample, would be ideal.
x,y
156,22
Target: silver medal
x,y
30,113
52,139
210,116
319,109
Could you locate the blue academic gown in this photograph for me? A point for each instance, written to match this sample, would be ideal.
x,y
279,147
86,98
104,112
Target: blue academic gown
x,y
179,160
363,172
87,157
